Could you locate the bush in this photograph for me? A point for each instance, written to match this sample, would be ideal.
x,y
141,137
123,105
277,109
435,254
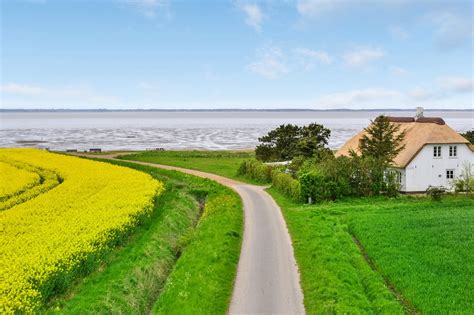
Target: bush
x,y
436,193
256,170
334,178
263,173
286,184
466,181
312,186
392,186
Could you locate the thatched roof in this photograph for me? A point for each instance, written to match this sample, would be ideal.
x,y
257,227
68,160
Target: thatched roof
x,y
419,132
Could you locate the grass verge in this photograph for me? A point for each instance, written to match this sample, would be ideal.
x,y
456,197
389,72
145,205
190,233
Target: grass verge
x,y
186,230
335,278
224,163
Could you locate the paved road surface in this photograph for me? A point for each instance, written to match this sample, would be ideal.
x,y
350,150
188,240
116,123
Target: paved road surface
x,y
267,277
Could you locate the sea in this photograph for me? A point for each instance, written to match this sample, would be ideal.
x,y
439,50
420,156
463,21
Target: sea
x,y
208,130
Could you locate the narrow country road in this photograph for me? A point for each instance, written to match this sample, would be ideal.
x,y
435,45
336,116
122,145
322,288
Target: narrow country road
x,y
267,276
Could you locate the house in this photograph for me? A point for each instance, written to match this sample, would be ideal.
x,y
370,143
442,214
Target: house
x,y
434,154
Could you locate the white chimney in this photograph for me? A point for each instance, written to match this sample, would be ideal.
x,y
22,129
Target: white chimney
x,y
419,112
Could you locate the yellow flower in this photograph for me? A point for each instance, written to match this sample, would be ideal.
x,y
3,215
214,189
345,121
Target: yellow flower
x,y
60,213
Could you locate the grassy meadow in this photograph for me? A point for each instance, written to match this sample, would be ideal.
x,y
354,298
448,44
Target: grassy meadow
x,y
370,255
183,258
224,163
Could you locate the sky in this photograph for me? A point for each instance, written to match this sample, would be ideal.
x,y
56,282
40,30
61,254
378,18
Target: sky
x,y
189,54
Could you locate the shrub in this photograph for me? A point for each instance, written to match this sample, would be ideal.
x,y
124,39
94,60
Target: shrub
x,y
334,178
436,193
256,170
392,186
286,184
466,181
263,173
312,186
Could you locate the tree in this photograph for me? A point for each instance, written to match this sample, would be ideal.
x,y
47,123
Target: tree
x,y
313,140
288,141
469,135
278,144
382,141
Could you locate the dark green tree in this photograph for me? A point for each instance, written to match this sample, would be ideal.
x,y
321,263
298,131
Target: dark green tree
x,y
288,141
382,141
278,144
313,140
469,135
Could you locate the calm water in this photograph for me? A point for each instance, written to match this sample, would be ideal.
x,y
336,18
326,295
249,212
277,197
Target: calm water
x,y
179,130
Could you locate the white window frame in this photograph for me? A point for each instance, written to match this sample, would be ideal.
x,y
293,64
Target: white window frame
x,y
437,152
453,151
452,174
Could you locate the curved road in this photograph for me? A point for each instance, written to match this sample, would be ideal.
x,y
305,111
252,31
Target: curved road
x,y
267,279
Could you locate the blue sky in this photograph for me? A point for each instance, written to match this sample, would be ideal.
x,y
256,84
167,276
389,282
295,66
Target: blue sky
x,y
317,54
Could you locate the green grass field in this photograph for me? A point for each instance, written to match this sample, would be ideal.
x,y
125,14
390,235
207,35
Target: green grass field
x,y
184,258
372,255
224,163
422,250
425,249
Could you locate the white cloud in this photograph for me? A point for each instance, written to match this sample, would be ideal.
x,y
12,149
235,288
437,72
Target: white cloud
x,y
398,71
451,30
23,94
308,58
371,96
148,8
269,63
22,89
456,84
362,56
313,8
398,32
422,94
445,88
253,15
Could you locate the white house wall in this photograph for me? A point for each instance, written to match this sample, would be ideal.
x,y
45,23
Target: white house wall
x,y
425,169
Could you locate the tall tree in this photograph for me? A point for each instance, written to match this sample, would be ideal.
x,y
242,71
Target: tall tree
x,y
382,141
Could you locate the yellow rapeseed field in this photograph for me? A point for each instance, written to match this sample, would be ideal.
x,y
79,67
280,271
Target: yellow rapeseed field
x,y
14,180
50,238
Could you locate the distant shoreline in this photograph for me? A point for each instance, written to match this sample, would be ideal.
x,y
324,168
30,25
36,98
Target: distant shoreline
x,y
3,110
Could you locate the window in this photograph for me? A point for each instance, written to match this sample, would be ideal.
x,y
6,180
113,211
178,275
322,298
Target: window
x,y
453,151
449,174
437,151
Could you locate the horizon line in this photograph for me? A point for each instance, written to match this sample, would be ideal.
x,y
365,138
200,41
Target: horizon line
x,y
224,109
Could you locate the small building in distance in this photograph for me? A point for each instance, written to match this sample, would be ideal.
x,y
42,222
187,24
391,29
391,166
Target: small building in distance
x,y
434,153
